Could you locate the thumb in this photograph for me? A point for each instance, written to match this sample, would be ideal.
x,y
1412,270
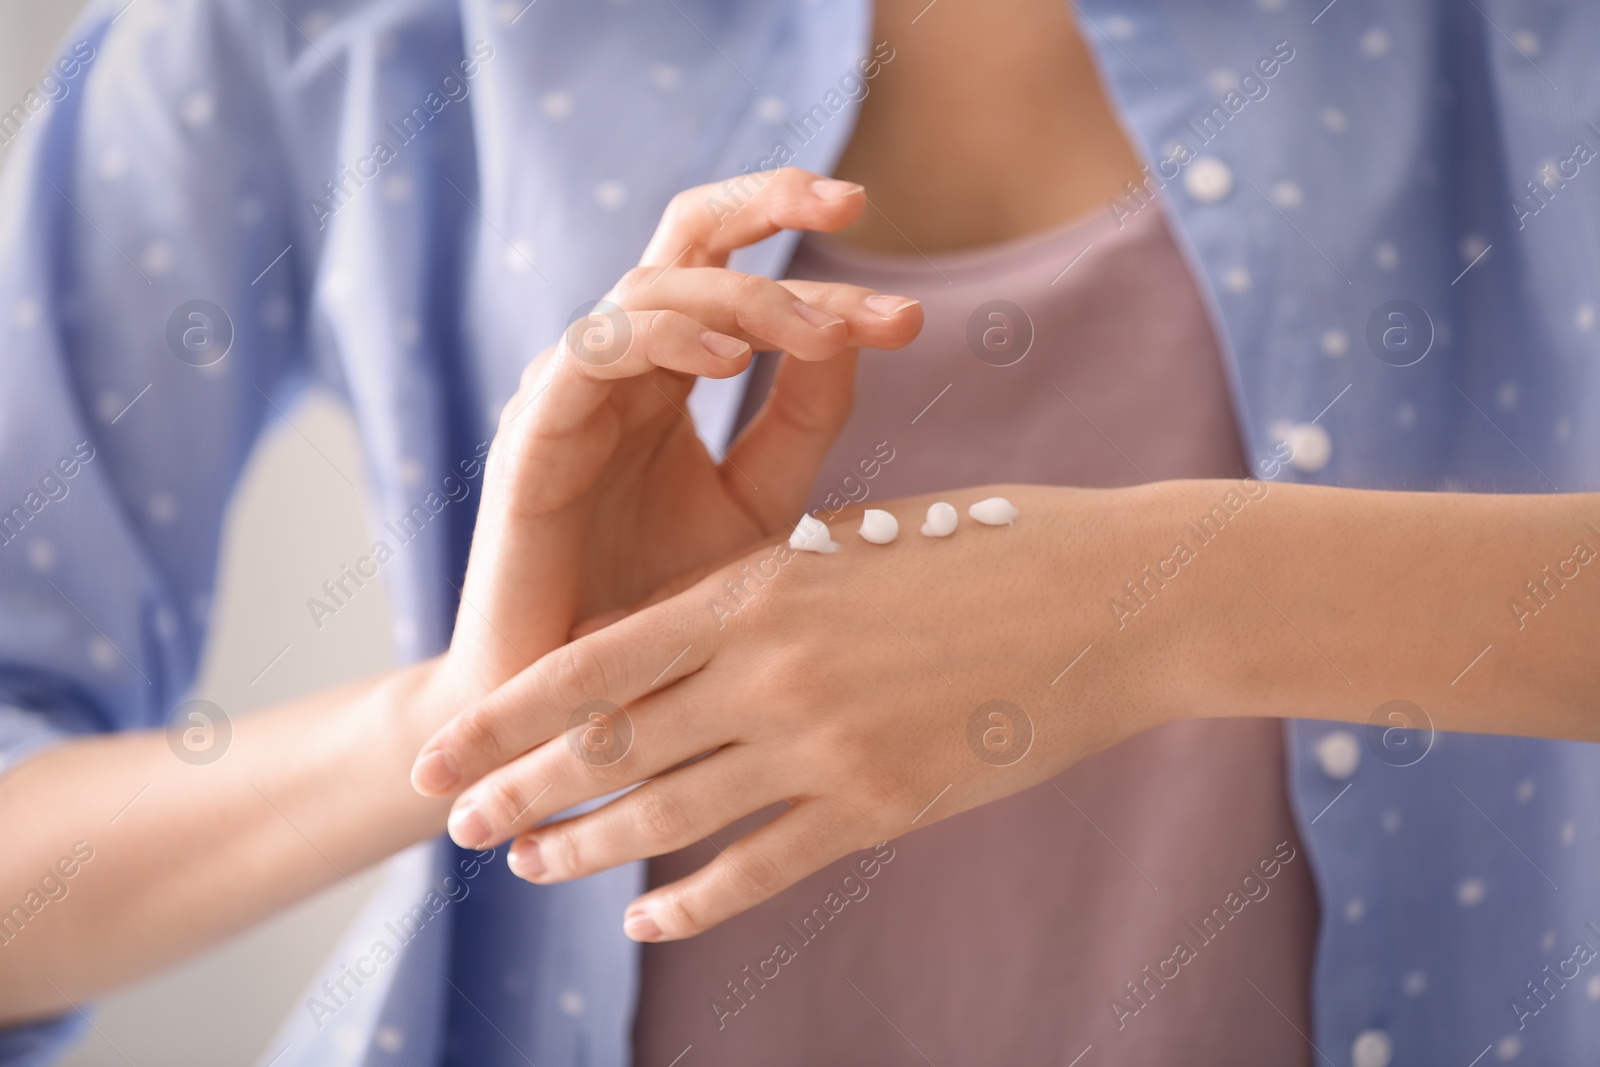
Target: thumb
x,y
784,446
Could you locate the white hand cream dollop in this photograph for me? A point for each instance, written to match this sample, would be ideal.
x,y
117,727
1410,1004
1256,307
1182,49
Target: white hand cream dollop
x,y
811,535
941,520
879,527
995,511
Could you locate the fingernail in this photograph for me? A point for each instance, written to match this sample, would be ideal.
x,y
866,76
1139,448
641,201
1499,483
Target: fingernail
x,y
641,927
467,828
887,305
833,188
722,346
435,773
816,316
525,859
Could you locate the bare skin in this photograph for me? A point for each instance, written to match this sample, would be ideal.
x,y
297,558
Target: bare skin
x,y
207,851
593,441
995,108
1326,603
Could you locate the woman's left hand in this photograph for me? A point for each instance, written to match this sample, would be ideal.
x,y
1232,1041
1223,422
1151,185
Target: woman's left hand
x,y
875,690
861,688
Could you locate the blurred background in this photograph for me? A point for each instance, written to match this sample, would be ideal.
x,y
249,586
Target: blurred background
x,y
223,1007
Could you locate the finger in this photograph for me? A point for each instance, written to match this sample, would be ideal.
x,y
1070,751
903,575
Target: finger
x,y
750,307
802,318
606,751
599,622
700,322
704,322
701,226
876,320
581,373
802,840
617,665
660,816
785,444
665,338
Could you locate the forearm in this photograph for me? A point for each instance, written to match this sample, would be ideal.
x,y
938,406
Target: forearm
x,y
1329,603
183,855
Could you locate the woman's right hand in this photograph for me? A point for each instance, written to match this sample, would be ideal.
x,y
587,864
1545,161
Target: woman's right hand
x,y
598,490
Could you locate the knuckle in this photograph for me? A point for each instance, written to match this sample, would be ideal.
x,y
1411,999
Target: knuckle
x,y
478,732
504,801
508,416
681,913
790,181
758,872
534,371
560,850
634,282
655,818
750,288
656,327
880,791
577,674
684,203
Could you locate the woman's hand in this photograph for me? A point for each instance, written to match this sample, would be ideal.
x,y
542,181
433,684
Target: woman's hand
x,y
598,490
874,690
860,687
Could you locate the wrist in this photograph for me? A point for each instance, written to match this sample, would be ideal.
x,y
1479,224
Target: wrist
x,y
1177,558
409,705
1102,664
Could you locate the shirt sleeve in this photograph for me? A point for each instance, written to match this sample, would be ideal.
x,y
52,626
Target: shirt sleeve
x,y
150,320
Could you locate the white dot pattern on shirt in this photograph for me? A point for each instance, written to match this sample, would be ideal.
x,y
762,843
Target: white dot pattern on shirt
x,y
556,105
1371,1048
1208,179
666,77
156,260
771,109
41,555
199,109
1376,42
1120,28
25,314
113,163
1338,754
103,653
1311,447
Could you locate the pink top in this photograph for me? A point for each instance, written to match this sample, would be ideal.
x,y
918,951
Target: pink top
x,y
1131,903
